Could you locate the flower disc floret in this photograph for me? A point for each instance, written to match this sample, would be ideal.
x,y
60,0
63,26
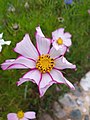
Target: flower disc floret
x,y
45,63
59,41
20,114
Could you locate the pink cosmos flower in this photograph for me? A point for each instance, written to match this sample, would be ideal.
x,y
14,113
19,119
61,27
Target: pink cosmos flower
x,y
61,39
44,63
21,115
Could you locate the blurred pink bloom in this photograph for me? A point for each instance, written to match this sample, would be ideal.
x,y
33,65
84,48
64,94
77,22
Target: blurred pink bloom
x,y
44,62
61,39
21,115
89,11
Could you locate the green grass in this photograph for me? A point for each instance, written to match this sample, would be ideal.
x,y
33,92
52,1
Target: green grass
x,y
44,13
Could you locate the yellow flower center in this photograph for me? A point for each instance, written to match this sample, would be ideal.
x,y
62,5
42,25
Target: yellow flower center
x,y
59,41
45,63
20,114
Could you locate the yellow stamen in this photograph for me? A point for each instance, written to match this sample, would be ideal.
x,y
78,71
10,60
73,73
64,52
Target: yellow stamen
x,y
20,114
59,41
45,63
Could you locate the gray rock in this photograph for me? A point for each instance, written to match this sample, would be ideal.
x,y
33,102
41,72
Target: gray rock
x,y
86,117
85,82
45,116
76,114
67,101
58,111
78,91
79,101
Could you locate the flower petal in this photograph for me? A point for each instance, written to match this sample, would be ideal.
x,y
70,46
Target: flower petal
x,y
39,31
57,33
2,42
7,42
12,116
1,35
70,84
26,48
43,44
57,53
24,118
67,42
32,75
59,78
22,80
67,35
45,83
62,63
30,115
43,90
0,48
20,63
46,79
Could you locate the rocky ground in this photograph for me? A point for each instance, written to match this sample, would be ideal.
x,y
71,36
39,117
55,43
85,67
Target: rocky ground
x,y
74,105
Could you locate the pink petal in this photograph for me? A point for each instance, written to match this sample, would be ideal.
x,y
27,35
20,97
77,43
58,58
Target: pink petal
x,y
12,116
67,35
43,90
22,80
57,33
62,63
30,115
26,48
46,79
45,83
43,44
57,76
56,53
32,75
60,79
20,63
67,42
24,119
70,84
39,31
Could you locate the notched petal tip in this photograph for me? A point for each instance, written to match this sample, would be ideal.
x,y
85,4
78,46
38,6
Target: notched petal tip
x,y
26,36
39,32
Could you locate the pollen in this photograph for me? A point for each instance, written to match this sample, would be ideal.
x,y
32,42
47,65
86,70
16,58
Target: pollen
x,y
20,114
59,41
45,63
